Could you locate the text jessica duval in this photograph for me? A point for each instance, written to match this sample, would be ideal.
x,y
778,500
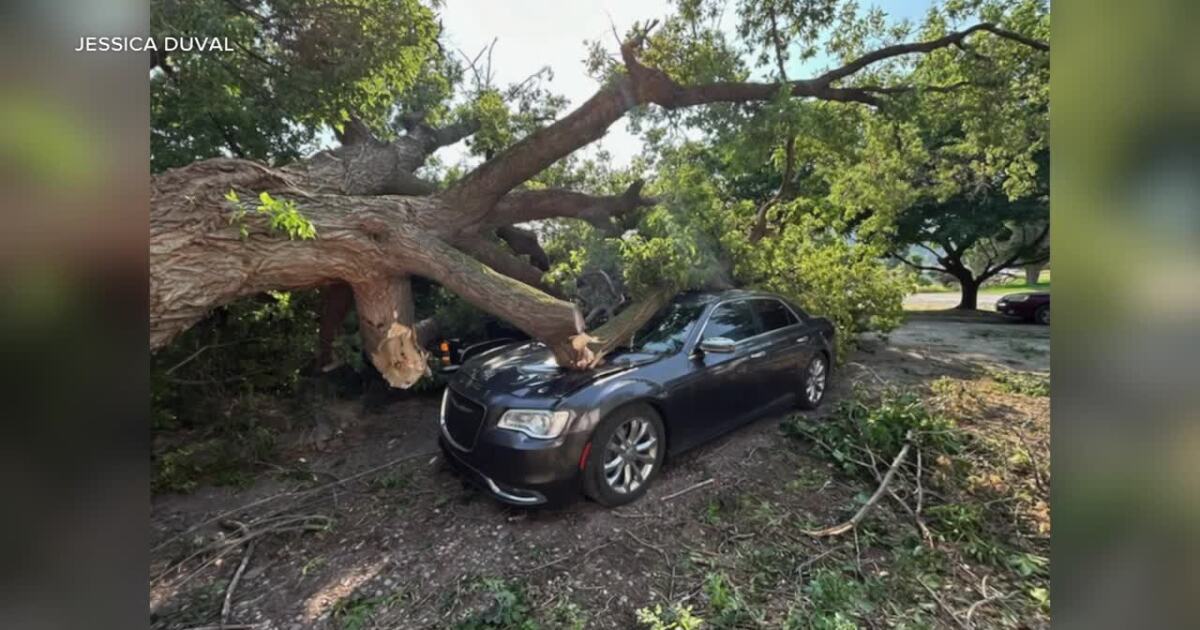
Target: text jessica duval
x,y
164,44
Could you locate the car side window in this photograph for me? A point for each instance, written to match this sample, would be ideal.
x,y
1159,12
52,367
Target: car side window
x,y
773,314
733,320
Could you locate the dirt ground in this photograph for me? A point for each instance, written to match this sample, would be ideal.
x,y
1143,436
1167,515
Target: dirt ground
x,y
375,531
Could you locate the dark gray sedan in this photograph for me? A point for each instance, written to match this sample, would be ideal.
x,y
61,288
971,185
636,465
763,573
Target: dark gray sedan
x,y
531,433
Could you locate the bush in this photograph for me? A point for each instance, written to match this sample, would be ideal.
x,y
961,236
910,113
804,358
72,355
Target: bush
x,y
845,282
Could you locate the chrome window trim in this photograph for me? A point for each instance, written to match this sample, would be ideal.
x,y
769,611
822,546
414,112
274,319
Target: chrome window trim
x,y
719,304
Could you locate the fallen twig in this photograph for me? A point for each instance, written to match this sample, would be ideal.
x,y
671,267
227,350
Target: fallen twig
x,y
311,522
815,559
868,370
986,599
274,497
688,489
665,556
879,492
237,576
942,603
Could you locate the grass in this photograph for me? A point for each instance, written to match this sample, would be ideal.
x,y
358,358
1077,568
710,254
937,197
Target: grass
x,y
1010,287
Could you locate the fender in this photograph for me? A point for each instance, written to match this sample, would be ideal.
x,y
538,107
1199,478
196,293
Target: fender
x,y
609,393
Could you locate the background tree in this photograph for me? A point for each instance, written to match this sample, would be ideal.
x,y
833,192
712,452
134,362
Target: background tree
x,y
973,238
358,215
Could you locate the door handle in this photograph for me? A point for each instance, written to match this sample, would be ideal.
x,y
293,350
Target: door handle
x,y
758,355
803,339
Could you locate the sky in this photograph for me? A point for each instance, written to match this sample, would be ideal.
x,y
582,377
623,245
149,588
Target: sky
x,y
535,33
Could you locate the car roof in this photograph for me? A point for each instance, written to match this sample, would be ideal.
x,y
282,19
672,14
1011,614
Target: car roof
x,y
707,297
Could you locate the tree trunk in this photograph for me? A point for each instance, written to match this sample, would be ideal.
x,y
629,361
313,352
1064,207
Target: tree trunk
x,y
1032,273
970,293
336,302
387,327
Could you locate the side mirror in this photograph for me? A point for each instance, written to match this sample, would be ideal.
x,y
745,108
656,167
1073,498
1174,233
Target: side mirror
x,y
720,345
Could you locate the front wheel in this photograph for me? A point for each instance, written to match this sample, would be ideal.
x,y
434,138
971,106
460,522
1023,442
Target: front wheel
x,y
627,452
816,378
1042,315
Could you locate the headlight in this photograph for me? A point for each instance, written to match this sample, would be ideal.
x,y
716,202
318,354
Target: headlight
x,y
1016,298
538,423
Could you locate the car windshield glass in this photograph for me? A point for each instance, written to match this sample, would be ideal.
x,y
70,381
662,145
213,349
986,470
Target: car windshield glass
x,y
666,332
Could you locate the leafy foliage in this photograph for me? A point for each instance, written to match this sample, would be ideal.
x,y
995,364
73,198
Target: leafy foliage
x,y
861,427
510,609
355,613
843,281
675,617
282,216
1026,383
296,65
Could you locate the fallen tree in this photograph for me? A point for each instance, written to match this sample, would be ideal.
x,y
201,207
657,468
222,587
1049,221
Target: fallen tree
x,y
370,223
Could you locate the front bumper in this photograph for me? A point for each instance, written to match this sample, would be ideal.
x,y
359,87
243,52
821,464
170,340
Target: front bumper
x,y
509,465
1012,309
515,489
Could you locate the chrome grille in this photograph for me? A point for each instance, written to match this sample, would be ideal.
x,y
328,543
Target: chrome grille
x,y
461,420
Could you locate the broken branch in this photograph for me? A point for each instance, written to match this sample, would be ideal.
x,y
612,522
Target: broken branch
x,y
879,492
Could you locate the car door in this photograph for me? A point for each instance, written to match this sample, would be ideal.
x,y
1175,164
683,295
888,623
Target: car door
x,y
780,352
718,394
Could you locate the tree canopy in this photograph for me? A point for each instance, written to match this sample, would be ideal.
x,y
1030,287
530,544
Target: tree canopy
x,y
787,153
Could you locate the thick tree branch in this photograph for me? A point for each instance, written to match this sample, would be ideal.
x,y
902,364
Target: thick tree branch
x,y
497,258
481,189
366,165
524,243
533,205
354,131
1021,257
949,39
759,228
915,265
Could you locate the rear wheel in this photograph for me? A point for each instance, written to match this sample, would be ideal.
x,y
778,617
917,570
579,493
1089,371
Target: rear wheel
x,y
1042,315
627,452
816,378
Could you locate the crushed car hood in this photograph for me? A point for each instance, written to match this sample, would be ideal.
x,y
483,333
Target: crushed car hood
x,y
528,369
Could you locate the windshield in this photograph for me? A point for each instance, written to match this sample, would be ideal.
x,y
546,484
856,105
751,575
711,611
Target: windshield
x,y
666,332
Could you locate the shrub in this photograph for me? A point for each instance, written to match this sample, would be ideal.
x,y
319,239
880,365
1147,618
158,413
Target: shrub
x,y
828,276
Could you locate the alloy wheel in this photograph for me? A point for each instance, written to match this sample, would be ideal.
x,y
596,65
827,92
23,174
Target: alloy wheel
x,y
814,385
630,455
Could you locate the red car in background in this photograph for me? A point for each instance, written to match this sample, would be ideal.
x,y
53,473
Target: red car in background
x,y
1033,307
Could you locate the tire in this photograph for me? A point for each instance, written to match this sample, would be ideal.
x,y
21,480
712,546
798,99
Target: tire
x,y
623,485
1042,315
815,383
